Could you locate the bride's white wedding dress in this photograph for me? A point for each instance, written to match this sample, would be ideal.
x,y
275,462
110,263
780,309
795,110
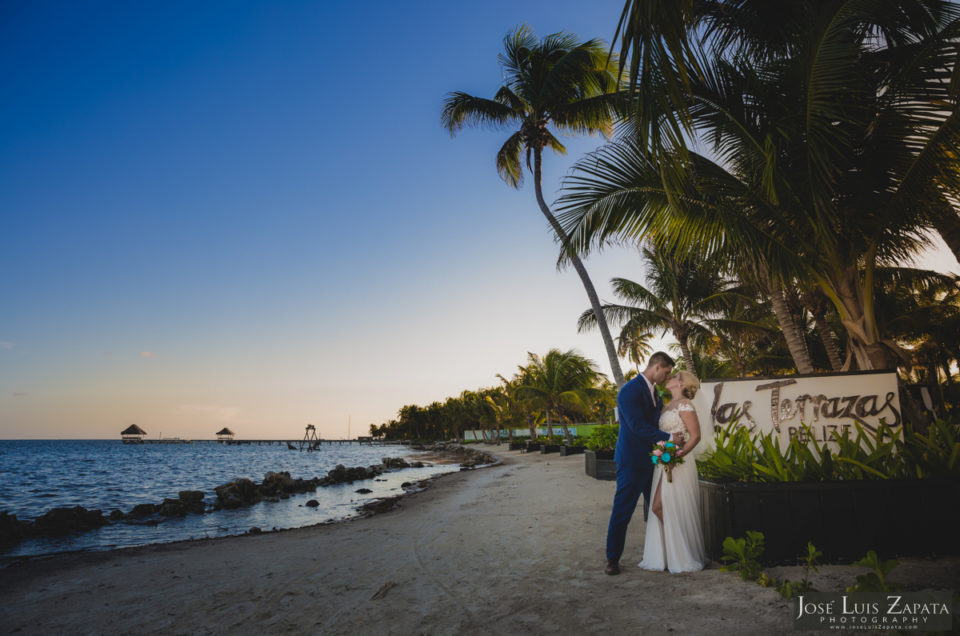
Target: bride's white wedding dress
x,y
676,543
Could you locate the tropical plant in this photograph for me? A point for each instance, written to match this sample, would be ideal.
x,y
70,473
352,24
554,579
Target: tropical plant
x,y
809,562
561,383
876,579
743,341
832,126
741,555
603,438
861,454
634,345
603,402
682,296
557,81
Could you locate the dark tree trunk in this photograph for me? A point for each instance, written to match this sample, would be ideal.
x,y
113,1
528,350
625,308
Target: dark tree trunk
x,y
826,337
795,340
581,271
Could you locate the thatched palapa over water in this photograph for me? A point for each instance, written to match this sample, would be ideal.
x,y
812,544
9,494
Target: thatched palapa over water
x,y
132,433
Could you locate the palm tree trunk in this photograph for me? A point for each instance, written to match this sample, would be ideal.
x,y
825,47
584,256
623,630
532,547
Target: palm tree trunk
x,y
532,425
685,350
823,330
581,271
795,341
549,425
759,273
850,289
563,423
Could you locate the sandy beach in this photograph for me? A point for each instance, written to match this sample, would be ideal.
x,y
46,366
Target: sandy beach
x,y
514,548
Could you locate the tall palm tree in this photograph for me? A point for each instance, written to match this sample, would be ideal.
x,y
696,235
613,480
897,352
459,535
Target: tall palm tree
x,y
562,383
557,81
681,296
833,127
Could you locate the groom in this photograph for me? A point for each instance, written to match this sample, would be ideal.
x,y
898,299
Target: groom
x,y
639,407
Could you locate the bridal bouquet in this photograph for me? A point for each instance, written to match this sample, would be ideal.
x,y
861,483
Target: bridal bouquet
x,y
665,454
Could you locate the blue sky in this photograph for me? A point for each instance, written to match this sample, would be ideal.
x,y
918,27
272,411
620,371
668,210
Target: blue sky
x,y
248,213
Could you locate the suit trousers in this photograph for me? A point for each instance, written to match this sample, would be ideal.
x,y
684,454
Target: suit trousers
x,y
632,481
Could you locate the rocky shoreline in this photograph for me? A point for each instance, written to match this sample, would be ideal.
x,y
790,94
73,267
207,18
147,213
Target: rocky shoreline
x,y
231,495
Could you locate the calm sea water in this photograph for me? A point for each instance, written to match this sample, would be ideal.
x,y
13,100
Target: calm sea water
x,y
37,475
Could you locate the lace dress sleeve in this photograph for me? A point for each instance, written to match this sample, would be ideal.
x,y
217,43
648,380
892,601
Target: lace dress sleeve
x,y
687,406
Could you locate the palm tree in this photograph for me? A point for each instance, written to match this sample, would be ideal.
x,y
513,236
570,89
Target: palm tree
x,y
833,136
743,340
556,81
682,295
634,345
920,309
561,383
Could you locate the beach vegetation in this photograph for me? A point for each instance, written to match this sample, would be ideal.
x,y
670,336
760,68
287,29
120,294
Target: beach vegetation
x,y
876,579
562,384
861,454
812,148
559,389
741,555
603,438
809,562
682,295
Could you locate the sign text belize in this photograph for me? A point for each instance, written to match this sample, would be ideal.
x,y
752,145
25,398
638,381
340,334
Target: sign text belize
x,y
825,403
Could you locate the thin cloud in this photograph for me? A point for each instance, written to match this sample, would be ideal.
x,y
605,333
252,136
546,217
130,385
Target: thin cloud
x,y
6,345
146,354
21,394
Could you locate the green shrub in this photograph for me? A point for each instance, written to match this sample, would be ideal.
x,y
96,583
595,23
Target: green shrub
x,y
741,555
788,588
876,579
880,454
549,439
603,437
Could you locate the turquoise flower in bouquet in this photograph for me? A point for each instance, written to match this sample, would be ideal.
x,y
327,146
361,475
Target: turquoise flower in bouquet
x,y
665,457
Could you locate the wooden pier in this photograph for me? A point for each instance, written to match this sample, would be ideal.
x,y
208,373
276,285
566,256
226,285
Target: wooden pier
x,y
266,442
310,442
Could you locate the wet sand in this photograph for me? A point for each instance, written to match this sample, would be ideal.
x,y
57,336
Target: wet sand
x,y
516,548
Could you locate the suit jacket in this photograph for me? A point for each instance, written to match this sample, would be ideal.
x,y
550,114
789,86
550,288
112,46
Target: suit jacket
x,y
639,424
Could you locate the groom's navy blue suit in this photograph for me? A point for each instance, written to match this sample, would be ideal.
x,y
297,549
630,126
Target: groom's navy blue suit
x,y
639,429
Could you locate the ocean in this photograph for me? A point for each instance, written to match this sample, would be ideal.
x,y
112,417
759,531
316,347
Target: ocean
x,y
37,475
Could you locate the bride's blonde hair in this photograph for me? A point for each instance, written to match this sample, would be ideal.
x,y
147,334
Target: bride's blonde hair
x,y
690,384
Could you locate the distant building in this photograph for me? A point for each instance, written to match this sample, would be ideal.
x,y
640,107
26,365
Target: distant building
x,y
225,435
133,434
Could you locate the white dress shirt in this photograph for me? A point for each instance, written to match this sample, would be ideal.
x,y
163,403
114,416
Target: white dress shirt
x,y
650,384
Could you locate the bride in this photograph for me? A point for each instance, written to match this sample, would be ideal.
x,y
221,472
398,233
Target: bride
x,y
674,539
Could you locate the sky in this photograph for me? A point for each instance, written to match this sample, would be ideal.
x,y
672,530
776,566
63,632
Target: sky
x,y
248,214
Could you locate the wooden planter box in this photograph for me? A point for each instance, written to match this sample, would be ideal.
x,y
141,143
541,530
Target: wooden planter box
x,y
600,465
517,445
571,450
549,448
533,447
843,519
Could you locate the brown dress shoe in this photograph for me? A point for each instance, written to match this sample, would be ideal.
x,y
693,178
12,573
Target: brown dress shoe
x,y
612,567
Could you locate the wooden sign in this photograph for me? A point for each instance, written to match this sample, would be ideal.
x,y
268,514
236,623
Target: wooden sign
x,y
825,403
